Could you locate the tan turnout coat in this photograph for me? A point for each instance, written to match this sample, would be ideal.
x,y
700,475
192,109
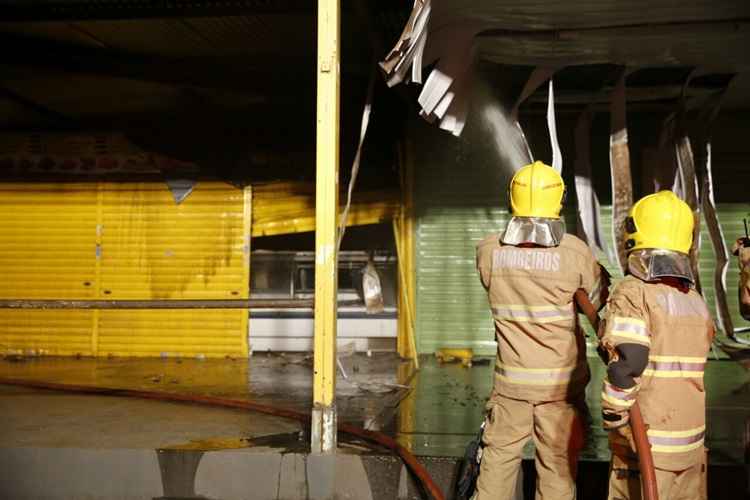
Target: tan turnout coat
x,y
540,357
677,329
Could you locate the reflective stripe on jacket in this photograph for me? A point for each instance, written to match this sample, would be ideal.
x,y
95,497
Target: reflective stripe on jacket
x,y
531,299
677,330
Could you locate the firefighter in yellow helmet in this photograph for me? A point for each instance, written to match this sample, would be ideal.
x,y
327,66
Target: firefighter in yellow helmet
x,y
657,333
531,272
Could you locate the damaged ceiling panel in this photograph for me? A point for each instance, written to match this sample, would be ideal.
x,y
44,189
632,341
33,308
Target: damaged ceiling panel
x,y
709,34
23,10
715,44
531,15
195,37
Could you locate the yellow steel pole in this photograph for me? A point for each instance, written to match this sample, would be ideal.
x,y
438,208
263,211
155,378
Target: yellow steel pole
x,y
404,290
323,432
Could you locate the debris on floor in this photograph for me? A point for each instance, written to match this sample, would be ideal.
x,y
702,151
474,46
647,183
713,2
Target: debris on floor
x,y
465,356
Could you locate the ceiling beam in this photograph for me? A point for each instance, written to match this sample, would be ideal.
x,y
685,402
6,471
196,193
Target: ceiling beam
x,y
94,10
62,10
634,94
266,74
722,27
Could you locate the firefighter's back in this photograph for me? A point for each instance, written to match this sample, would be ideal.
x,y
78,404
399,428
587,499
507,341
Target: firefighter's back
x,y
530,291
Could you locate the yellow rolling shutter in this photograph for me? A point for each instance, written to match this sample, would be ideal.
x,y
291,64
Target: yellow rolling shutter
x,y
289,207
125,241
152,248
47,251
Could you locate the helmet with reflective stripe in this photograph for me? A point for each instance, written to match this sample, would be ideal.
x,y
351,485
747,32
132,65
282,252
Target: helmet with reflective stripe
x,y
660,220
537,190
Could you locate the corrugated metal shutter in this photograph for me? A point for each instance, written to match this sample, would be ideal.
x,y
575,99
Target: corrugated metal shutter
x,y
452,308
125,241
48,240
174,333
451,304
47,251
152,248
459,191
289,207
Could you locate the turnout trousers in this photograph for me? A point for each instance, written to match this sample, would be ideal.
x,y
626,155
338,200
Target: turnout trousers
x,y
557,430
625,481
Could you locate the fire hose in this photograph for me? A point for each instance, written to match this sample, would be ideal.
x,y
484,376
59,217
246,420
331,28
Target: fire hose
x,y
637,425
417,469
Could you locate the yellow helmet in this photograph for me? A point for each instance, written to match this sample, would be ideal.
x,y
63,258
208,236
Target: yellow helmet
x,y
537,190
660,220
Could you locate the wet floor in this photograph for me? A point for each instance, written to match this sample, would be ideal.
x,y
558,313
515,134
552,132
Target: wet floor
x,y
48,419
446,408
281,380
436,416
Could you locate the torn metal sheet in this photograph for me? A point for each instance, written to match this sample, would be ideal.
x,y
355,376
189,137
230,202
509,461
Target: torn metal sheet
x,y
686,182
689,187
552,129
372,290
445,97
589,210
719,245
453,119
536,79
409,47
180,188
364,124
619,159
703,161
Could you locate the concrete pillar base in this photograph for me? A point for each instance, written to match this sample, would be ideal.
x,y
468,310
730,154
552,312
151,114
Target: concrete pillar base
x,y
323,430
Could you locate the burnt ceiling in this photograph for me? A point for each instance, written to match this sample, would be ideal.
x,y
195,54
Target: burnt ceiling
x,y
215,79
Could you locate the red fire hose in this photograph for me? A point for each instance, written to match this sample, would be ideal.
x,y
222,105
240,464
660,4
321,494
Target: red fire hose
x,y
637,425
373,437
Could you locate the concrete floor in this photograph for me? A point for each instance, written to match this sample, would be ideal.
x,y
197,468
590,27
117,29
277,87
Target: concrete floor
x,y
63,445
435,417
39,418
433,412
283,380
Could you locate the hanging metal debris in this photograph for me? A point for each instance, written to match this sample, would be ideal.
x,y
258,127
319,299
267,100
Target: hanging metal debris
x,y
703,161
619,159
444,99
537,77
180,188
589,210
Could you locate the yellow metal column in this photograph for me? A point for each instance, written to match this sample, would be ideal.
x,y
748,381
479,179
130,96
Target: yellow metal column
x,y
323,432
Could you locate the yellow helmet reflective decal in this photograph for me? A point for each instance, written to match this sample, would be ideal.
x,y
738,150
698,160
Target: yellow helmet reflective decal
x,y
537,190
660,220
